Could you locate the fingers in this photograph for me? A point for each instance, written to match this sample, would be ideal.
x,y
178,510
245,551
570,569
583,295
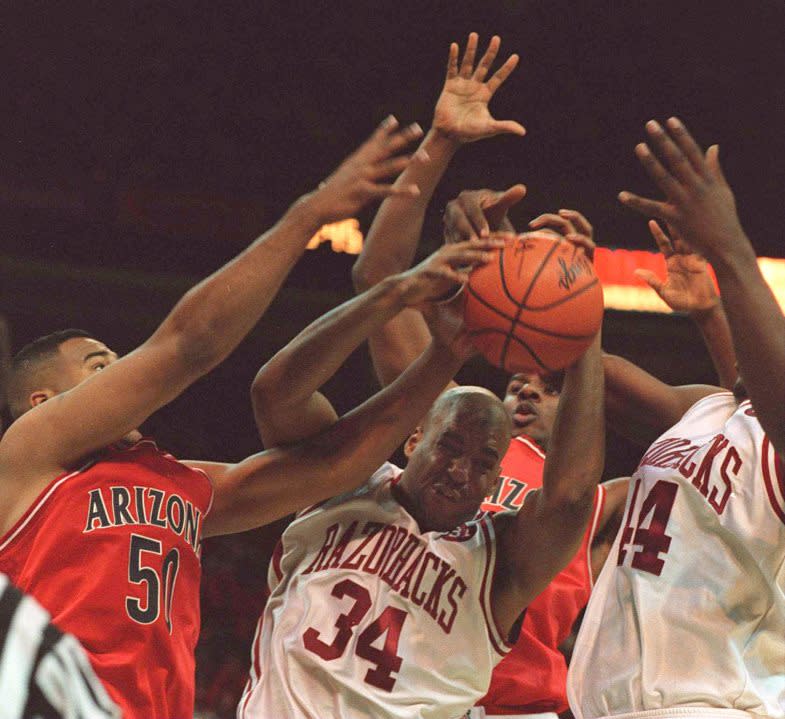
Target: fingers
x,y
650,279
467,64
464,218
562,225
394,141
583,242
507,127
650,208
496,209
681,136
457,226
579,221
663,242
671,154
487,59
657,172
713,164
452,61
502,74
395,165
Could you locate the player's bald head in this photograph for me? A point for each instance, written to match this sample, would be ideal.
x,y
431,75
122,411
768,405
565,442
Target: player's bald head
x,y
37,366
475,403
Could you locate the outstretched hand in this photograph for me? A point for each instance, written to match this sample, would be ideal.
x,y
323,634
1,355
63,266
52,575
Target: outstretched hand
x,y
462,108
477,213
571,225
699,203
688,286
359,179
447,269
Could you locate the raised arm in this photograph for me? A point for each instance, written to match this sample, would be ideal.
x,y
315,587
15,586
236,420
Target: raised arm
x,y
700,205
688,287
202,329
545,534
461,116
287,404
280,481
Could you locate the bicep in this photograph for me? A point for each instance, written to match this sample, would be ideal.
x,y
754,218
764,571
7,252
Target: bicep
x,y
279,426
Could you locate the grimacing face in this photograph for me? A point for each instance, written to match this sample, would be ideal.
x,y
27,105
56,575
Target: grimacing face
x,y
454,466
531,401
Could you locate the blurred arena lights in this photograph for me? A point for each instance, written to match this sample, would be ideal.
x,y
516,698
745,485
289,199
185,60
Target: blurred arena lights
x,y
623,290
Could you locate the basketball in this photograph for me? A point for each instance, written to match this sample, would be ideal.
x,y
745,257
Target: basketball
x,y
535,307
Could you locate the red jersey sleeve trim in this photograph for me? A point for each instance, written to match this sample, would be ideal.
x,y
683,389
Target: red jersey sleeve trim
x,y
773,478
36,506
599,505
498,640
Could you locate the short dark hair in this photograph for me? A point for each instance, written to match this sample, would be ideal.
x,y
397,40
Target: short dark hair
x,y
28,360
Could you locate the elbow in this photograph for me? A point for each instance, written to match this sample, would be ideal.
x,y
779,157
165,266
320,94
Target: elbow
x,y
264,389
367,274
362,278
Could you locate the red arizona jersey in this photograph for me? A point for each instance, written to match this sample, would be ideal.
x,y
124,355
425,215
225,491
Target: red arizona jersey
x,y
532,678
111,550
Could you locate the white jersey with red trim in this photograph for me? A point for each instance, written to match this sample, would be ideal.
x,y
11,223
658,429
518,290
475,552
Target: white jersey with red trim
x,y
689,610
370,617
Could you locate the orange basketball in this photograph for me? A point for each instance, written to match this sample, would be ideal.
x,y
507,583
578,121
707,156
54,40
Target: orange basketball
x,y
536,307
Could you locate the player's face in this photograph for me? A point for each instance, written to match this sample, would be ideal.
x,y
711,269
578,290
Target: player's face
x,y
81,358
531,402
454,466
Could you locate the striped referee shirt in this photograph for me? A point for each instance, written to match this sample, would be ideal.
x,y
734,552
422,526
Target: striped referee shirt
x,y
44,673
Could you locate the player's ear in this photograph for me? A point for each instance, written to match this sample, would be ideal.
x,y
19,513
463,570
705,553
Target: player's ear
x,y
412,442
40,396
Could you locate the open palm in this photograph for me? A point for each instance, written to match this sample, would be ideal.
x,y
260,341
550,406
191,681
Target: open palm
x,y
689,286
462,108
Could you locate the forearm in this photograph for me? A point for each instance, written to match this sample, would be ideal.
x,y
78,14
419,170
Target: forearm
x,y
715,330
392,241
311,358
758,329
369,434
214,316
576,451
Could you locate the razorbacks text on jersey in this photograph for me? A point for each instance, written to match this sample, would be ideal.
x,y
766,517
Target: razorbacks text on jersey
x,y
532,678
111,551
370,617
688,614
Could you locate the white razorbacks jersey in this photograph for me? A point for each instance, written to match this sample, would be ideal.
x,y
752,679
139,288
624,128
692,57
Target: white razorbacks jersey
x,y
369,617
689,610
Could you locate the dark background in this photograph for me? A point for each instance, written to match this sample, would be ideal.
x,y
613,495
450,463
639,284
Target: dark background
x,y
143,144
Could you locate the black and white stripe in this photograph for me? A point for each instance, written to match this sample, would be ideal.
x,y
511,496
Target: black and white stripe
x,y
44,673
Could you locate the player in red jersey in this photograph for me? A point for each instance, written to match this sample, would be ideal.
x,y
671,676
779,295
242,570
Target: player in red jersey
x,y
104,529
